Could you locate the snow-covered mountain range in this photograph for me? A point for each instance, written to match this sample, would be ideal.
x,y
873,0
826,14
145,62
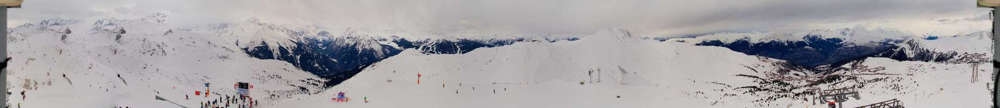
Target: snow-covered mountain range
x,y
128,62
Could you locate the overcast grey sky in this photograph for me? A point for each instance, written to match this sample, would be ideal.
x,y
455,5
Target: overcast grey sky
x,y
535,16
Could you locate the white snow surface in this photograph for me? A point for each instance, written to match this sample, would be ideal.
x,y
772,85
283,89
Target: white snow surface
x,y
154,59
644,73
150,61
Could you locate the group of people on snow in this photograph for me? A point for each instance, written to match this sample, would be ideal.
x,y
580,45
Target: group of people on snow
x,y
229,101
240,100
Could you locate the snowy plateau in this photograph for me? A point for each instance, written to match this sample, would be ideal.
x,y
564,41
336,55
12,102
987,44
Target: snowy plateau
x,y
146,63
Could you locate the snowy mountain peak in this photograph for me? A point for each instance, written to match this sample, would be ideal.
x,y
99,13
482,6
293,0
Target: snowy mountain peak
x,y
824,53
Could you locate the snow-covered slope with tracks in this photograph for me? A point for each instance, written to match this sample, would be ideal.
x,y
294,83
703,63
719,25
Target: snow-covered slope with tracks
x,y
612,69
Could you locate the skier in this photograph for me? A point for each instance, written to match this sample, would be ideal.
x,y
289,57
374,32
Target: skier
x,y
341,97
831,104
418,78
366,99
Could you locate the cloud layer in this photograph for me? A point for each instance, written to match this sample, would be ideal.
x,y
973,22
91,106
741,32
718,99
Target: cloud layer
x,y
533,16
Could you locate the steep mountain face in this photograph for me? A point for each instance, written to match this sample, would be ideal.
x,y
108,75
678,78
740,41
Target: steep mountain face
x,y
911,50
325,58
460,46
340,58
821,54
127,62
811,52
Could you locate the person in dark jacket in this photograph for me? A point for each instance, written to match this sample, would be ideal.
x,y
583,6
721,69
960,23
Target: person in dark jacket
x,y
832,104
3,65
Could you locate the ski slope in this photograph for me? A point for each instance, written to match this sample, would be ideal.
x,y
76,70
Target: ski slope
x,y
130,62
75,63
637,73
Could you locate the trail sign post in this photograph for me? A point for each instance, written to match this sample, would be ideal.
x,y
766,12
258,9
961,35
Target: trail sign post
x,y
3,45
996,45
